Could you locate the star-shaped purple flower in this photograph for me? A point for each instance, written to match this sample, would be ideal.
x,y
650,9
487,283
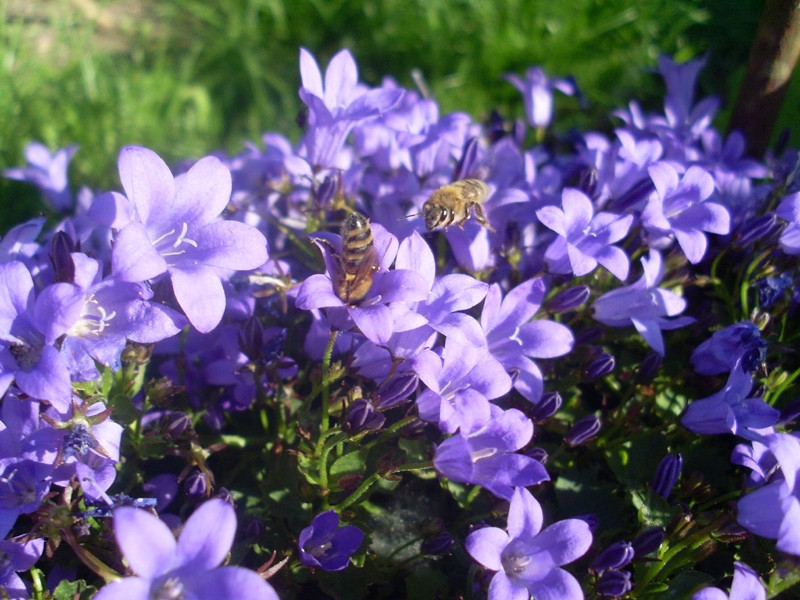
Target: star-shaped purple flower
x,y
528,559
537,94
325,545
584,238
644,305
187,568
172,225
680,206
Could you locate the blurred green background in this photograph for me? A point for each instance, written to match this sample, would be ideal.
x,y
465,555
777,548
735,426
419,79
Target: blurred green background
x,y
185,77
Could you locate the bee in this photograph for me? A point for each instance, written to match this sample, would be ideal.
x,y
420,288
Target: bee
x,y
453,203
358,261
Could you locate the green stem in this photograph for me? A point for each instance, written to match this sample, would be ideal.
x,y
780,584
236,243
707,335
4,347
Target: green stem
x,y
326,392
358,493
38,588
323,456
390,431
90,560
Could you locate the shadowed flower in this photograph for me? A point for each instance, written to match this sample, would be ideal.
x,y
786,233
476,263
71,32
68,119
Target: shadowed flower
x,y
746,586
48,172
528,559
325,545
187,568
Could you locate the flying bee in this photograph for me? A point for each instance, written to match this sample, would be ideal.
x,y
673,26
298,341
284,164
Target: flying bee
x,y
453,204
358,261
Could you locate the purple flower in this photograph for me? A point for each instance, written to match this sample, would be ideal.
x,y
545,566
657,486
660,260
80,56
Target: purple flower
x,y
728,346
667,474
680,206
15,557
773,511
731,410
335,107
29,328
172,225
537,94
487,456
644,305
527,559
789,210
584,238
373,316
746,586
512,336
187,568
48,172
325,545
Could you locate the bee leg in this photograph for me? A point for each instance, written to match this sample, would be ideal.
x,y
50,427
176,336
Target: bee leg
x,y
480,217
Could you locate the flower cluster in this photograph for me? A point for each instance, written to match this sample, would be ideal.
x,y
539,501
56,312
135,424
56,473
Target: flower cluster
x,y
276,333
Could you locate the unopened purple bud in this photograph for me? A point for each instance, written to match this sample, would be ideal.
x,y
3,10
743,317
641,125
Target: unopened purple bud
x,y
649,367
361,416
255,529
591,520
758,228
635,194
616,556
61,257
648,541
225,495
590,335
667,473
438,545
396,390
790,412
465,167
326,192
547,406
176,424
583,430
569,299
614,583
587,181
196,485
539,454
599,367
251,338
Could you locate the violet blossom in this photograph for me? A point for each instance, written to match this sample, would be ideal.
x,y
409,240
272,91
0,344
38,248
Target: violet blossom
x,y
527,559
325,545
14,557
584,238
488,456
537,94
186,568
48,172
789,211
745,586
172,225
647,307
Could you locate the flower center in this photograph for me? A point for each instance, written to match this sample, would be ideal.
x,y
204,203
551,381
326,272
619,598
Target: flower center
x,y
514,564
26,356
93,320
169,246
171,589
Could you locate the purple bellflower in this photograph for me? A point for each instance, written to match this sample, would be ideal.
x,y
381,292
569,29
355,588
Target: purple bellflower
x,y
172,225
584,238
730,410
773,511
680,207
487,456
789,211
644,305
335,107
324,545
29,328
187,568
528,559
48,172
15,556
513,338
373,316
537,94
728,346
746,586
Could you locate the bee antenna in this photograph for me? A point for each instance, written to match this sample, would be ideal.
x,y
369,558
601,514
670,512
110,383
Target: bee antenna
x,y
411,216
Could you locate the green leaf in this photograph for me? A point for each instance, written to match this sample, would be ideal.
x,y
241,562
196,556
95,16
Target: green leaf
x,y
354,462
74,590
653,509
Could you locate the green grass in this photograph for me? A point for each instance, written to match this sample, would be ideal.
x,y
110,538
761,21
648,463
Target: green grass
x,y
185,77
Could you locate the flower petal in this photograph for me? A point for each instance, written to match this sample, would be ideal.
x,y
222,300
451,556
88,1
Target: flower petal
x,y
134,258
375,322
146,179
201,296
207,536
145,540
228,245
485,546
525,516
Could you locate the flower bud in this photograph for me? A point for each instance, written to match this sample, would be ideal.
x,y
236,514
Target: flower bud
x,y
591,519
599,367
438,545
547,406
649,367
465,167
396,390
539,454
251,338
583,430
61,257
667,473
326,192
587,181
616,556
196,485
614,583
648,541
569,299
175,424
756,229
361,416
588,335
